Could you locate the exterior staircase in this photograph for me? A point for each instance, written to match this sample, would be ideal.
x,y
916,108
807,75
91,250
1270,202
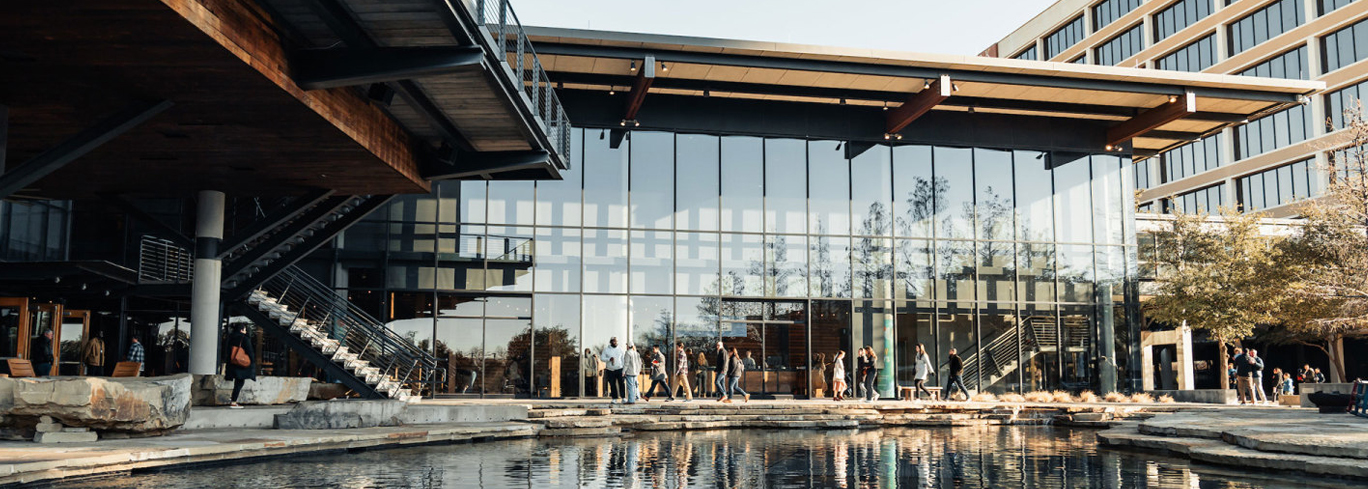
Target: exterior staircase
x,y
345,342
999,358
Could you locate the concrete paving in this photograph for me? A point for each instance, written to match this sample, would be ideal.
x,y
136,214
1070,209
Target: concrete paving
x,y
1281,439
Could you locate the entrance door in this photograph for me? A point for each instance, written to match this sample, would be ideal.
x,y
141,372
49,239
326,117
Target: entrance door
x,y
14,327
45,317
71,336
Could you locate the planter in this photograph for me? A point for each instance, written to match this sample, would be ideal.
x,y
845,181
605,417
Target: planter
x,y
1331,403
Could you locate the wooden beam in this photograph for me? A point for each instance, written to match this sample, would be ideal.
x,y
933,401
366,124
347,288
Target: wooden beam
x,y
1177,108
78,145
918,104
642,84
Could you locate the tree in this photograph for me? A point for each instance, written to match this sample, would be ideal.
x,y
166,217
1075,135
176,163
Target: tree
x,y
1218,276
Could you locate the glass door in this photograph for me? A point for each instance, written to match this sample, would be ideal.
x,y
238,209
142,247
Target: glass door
x,y
45,318
14,326
71,336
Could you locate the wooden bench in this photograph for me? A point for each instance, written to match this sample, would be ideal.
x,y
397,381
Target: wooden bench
x,y
21,368
126,369
909,393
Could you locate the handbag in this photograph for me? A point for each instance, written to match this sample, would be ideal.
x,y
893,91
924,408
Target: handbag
x,y
238,356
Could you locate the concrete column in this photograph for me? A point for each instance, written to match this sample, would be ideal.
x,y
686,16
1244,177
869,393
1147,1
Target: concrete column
x,y
1186,374
204,292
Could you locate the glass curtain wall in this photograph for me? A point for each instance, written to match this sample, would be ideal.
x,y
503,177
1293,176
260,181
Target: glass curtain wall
x,y
784,249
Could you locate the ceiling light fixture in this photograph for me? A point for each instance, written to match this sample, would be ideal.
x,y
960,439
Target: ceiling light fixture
x,y
1173,99
885,105
601,131
971,109
1109,147
838,145
898,136
926,84
612,90
706,93
887,136
633,66
954,87
623,123
663,67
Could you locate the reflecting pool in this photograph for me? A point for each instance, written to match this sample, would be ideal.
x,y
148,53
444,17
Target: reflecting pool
x,y
1029,457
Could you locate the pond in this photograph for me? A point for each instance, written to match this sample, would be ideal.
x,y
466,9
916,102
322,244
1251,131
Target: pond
x,y
971,457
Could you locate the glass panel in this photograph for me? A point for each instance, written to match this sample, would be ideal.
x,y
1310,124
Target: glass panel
x,y
605,317
915,271
999,357
696,263
914,322
509,256
556,347
1034,195
1040,348
955,331
558,201
696,323
696,175
829,188
743,191
605,261
786,266
830,258
872,190
473,202
510,202
917,199
996,271
830,335
873,327
955,264
993,185
742,264
873,263
956,217
1076,273
785,186
605,183
508,356
558,260
1073,219
1036,270
1108,199
1076,344
652,189
652,263
460,346
785,357
652,320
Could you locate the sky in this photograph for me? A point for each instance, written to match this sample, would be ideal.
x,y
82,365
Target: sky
x,y
927,26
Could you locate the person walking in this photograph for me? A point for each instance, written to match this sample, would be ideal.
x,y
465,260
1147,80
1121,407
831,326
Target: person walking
x,y
612,369
658,377
923,370
631,372
1256,376
137,354
861,363
240,365
838,376
871,374
956,383
681,373
41,354
721,361
93,356
701,373
736,368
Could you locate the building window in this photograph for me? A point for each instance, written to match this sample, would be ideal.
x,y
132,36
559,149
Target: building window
x,y
1178,16
1291,64
1264,24
1109,10
1142,171
1121,47
1277,186
1029,54
1201,201
1271,132
1197,56
1064,38
1342,100
34,231
1344,47
1082,59
1327,6
1192,158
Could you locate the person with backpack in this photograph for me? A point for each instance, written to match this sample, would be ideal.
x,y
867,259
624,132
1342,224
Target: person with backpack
x,y
240,368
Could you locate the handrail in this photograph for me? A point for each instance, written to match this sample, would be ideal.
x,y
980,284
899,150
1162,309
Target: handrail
x,y
395,356
162,260
499,19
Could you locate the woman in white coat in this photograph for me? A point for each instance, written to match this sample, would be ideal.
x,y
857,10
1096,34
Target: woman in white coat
x,y
924,367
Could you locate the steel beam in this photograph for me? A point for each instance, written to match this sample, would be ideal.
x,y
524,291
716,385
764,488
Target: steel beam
x,y
860,68
270,221
78,145
485,164
642,84
344,67
918,104
163,229
285,233
1175,109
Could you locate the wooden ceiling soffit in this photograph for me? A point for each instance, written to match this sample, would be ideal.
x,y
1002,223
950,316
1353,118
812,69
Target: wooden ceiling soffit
x,y
918,104
1176,108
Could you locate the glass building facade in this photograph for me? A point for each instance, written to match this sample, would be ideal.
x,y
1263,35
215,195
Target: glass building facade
x,y
782,248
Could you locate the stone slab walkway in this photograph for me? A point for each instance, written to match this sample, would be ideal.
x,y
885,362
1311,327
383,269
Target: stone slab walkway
x,y
25,462
1285,440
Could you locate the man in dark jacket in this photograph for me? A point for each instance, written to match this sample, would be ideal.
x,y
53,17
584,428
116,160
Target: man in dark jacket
x,y
43,356
720,362
956,383
1244,388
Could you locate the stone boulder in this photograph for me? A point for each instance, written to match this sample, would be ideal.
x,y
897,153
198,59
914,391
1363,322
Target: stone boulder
x,y
147,405
214,390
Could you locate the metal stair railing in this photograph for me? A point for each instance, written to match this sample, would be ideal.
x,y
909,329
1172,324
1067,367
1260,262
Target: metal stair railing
x,y
501,22
163,261
395,356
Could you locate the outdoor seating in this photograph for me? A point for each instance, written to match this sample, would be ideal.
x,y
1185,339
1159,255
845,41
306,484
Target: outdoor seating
x,y
21,368
126,369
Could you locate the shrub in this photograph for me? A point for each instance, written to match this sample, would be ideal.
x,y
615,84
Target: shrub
x,y
1012,398
1116,397
983,397
1088,396
1062,396
1142,397
1166,398
1039,396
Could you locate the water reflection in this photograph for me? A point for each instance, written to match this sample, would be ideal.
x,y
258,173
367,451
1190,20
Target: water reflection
x,y
1028,457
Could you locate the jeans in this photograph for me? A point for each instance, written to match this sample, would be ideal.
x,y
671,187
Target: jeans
x,y
1258,387
614,380
955,384
735,385
721,384
870,393
681,381
632,394
657,382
